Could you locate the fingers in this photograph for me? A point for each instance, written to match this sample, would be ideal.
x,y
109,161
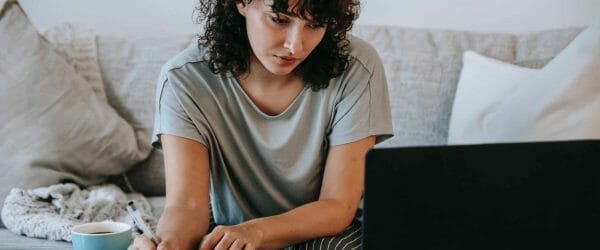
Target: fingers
x,y
142,243
249,246
237,245
225,242
231,238
165,245
211,240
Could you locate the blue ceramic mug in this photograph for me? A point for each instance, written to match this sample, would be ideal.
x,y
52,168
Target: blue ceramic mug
x,y
101,236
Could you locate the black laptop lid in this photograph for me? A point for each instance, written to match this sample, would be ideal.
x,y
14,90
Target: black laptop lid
x,y
495,196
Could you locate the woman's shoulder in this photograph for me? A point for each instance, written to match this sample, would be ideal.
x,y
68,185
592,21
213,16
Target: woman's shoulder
x,y
363,53
193,54
364,63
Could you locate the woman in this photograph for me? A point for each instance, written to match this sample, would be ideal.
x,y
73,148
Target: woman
x,y
271,115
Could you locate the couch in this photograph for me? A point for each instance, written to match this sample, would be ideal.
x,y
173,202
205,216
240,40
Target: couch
x,y
422,67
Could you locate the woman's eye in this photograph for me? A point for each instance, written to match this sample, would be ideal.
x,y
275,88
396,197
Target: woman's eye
x,y
316,25
277,19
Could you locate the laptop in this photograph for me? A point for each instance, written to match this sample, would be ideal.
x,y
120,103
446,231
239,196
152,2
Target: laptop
x,y
530,195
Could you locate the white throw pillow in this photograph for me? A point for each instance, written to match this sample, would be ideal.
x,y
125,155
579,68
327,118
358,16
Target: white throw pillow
x,y
484,84
499,102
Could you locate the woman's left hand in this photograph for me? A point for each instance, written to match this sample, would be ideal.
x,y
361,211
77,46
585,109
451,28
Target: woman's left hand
x,y
242,236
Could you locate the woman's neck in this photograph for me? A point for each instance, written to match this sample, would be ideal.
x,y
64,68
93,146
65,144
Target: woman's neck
x,y
270,93
258,77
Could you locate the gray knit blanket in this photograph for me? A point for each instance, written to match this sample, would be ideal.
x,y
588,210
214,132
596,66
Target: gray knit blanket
x,y
51,212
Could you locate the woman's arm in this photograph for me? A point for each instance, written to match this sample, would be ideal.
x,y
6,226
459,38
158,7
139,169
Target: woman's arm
x,y
339,198
185,217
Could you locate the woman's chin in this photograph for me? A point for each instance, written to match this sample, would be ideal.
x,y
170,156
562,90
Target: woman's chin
x,y
281,71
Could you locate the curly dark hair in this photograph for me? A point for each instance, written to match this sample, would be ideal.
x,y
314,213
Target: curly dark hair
x,y
229,50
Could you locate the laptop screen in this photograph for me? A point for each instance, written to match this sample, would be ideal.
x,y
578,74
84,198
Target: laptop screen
x,y
493,196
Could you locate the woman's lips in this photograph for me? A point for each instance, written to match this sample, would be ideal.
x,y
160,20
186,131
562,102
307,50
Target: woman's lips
x,y
286,60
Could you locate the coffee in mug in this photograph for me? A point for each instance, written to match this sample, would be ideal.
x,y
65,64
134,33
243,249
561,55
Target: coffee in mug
x,y
101,235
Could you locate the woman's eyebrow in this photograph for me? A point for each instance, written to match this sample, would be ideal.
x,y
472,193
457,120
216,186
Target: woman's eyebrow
x,y
285,12
292,14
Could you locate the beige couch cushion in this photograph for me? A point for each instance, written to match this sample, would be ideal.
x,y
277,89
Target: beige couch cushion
x,y
77,45
423,68
54,127
130,69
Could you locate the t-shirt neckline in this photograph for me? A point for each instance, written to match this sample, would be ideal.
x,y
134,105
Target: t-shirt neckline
x,y
282,114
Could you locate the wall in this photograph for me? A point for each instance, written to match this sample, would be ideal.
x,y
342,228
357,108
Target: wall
x,y
139,17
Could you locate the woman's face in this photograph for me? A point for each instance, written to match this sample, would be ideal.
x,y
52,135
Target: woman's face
x,y
280,41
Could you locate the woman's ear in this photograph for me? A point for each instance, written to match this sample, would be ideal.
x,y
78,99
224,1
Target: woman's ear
x,y
242,6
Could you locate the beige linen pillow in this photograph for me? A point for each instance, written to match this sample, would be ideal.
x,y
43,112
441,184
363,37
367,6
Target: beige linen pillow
x,y
54,128
499,102
77,45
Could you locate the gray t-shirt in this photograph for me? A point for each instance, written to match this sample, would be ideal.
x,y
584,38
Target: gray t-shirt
x,y
262,165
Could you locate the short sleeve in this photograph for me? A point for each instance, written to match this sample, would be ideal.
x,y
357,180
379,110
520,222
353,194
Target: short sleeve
x,y
363,107
171,118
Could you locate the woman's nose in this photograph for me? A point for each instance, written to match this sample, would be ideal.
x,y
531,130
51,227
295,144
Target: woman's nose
x,y
293,40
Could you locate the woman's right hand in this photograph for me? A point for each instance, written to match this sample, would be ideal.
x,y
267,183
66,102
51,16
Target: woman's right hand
x,y
142,243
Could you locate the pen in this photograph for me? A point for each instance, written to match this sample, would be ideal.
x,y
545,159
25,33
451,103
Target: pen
x,y
139,222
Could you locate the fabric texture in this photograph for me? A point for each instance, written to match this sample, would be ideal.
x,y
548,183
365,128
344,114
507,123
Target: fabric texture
x,y
2,2
484,84
496,102
9,240
261,164
423,68
130,67
51,212
349,239
54,126
78,46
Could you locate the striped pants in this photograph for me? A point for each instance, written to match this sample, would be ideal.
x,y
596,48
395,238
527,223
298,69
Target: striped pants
x,y
348,239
